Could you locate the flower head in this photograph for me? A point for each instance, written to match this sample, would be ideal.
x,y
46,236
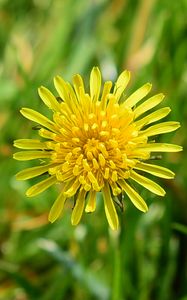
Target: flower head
x,y
97,142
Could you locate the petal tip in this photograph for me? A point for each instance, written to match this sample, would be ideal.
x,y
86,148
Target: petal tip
x,y
95,68
127,73
28,193
18,177
51,218
180,148
149,85
41,89
162,194
14,156
88,210
56,79
74,222
114,227
22,110
145,209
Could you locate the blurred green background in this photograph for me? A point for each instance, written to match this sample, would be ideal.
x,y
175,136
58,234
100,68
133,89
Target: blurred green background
x,y
148,259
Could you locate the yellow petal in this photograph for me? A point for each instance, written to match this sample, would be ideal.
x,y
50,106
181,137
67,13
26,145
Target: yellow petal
x,y
84,102
155,170
60,86
41,186
48,98
57,207
161,128
29,144
38,118
141,154
73,189
47,134
66,92
153,117
29,155
32,172
91,204
71,92
78,208
115,188
121,84
110,208
140,139
147,183
78,82
106,90
95,84
160,147
138,95
136,199
148,104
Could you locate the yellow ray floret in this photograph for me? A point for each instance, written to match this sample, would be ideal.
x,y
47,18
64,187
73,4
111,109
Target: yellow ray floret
x,y
96,141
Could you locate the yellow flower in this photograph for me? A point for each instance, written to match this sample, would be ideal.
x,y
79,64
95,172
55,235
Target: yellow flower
x,y
96,142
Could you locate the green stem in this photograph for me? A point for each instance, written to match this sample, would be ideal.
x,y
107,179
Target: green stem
x,y
117,271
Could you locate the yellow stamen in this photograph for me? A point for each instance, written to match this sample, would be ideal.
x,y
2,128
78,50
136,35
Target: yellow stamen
x,y
101,160
86,166
76,170
102,148
112,164
114,176
95,164
106,173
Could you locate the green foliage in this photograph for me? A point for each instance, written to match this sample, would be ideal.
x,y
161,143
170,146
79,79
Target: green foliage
x,y
148,258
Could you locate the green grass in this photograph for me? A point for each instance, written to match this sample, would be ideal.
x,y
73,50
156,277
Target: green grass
x,y
148,259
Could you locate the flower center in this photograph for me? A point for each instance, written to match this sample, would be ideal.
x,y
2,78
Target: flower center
x,y
94,148
91,146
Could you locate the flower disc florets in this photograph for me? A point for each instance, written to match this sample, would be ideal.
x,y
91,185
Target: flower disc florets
x,y
96,143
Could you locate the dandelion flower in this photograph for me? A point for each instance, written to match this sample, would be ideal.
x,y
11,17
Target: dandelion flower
x,y
97,141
